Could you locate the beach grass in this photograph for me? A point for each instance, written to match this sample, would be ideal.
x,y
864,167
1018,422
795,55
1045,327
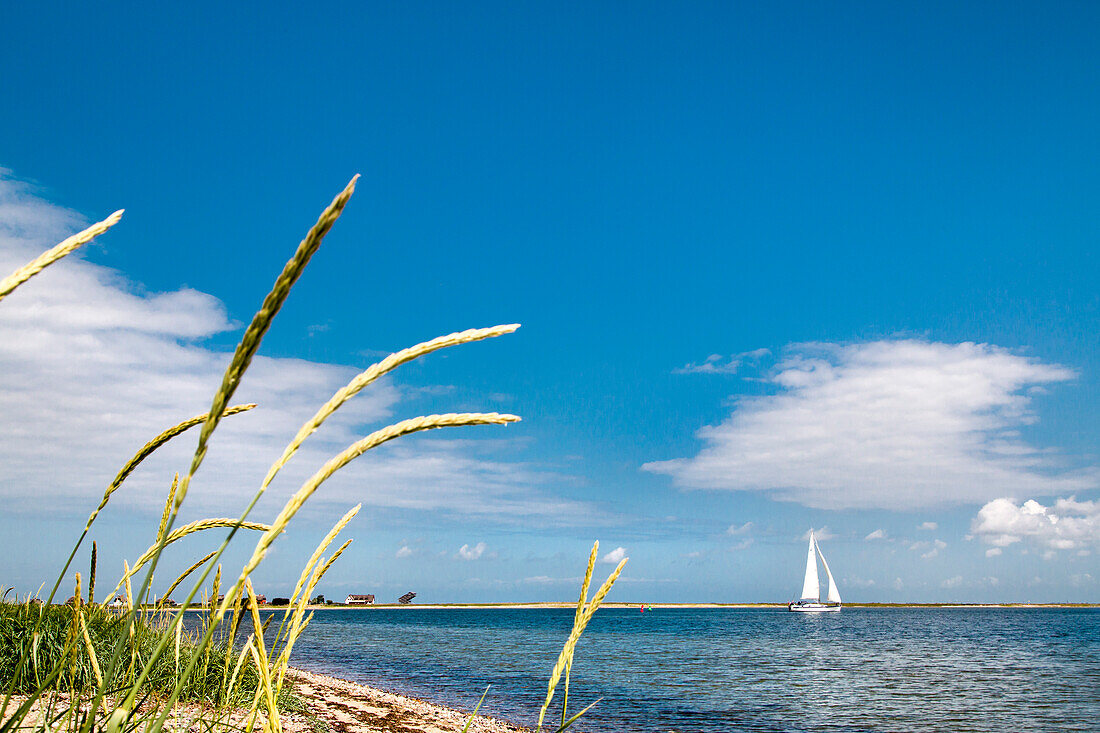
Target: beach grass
x,y
39,640
84,666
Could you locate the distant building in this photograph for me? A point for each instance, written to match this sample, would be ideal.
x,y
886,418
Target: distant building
x,y
358,600
261,600
407,598
117,602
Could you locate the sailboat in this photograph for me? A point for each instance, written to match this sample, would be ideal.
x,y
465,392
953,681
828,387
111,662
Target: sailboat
x,y
811,589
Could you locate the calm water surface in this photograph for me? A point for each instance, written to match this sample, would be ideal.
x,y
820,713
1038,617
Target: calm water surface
x,y
737,670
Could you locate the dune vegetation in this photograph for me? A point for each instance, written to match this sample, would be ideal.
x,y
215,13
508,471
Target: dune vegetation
x,y
133,665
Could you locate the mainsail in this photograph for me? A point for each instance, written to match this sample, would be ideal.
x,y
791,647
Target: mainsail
x,y
810,587
834,593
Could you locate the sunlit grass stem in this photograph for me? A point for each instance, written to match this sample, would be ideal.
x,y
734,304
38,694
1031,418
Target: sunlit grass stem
x,y
578,628
372,373
576,620
378,437
240,361
180,532
261,322
183,576
50,256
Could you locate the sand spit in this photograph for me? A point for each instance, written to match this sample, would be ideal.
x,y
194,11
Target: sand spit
x,y
347,707
332,705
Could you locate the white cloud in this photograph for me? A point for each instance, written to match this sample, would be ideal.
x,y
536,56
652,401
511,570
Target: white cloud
x,y
739,529
937,546
94,366
928,549
954,582
878,534
718,364
993,552
822,534
930,526
742,545
1067,525
472,553
548,580
887,424
615,556
542,580
713,364
898,585
857,582
405,551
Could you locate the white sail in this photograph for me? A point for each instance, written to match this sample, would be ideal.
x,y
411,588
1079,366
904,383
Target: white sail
x,y
810,587
834,592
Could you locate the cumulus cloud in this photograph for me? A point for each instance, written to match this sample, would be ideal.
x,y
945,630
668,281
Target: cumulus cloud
x,y
93,365
472,553
615,556
954,582
1067,525
739,529
993,552
405,551
878,534
929,526
896,424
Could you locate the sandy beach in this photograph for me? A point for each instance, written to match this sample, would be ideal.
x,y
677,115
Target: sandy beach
x,y
333,705
347,707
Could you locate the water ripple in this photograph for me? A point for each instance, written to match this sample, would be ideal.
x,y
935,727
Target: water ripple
x,y
704,670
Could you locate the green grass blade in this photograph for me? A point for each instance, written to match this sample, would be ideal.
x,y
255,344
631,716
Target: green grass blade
x,y
470,720
573,719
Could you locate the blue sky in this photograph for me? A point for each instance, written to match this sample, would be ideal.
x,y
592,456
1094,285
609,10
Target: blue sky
x,y
777,268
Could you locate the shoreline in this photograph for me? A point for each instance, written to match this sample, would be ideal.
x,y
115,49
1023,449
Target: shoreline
x,y
336,704
571,605
329,705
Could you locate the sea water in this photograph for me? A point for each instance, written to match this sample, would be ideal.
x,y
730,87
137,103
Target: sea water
x,y
735,669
